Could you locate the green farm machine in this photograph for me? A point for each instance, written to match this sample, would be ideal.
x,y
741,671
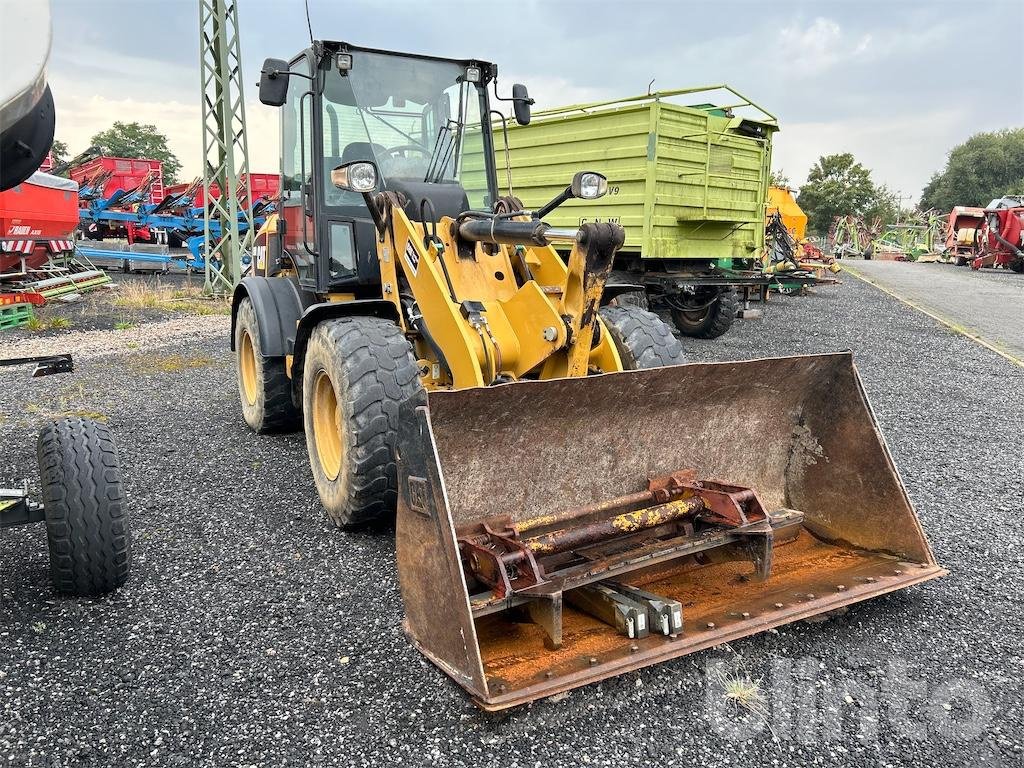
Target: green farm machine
x,y
688,183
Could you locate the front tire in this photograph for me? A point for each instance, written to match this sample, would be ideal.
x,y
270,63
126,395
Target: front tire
x,y
86,515
264,389
642,339
357,372
711,321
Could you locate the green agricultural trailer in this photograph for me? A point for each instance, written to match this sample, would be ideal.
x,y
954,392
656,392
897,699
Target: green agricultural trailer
x,y
688,183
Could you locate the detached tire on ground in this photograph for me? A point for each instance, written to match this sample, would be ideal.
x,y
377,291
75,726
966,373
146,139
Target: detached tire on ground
x,y
358,371
642,339
711,321
264,388
86,515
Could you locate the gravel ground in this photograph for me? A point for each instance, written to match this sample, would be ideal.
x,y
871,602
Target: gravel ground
x,y
251,633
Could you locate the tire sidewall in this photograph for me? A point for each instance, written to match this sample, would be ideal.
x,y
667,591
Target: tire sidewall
x,y
246,324
320,358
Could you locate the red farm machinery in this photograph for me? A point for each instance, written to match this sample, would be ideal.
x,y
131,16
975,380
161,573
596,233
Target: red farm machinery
x,y
1000,239
962,232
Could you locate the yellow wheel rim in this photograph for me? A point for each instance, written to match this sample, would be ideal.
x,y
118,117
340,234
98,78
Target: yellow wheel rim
x,y
328,429
247,369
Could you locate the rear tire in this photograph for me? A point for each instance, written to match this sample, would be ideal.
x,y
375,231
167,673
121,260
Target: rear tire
x,y
264,389
86,516
642,339
358,371
711,322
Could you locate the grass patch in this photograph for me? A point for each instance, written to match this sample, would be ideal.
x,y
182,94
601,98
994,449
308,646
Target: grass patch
x,y
190,301
170,363
38,324
66,406
744,693
123,325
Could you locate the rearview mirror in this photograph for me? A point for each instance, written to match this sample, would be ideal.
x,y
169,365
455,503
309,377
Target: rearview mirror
x,y
521,102
274,82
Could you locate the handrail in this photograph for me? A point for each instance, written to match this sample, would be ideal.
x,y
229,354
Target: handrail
x,y
657,96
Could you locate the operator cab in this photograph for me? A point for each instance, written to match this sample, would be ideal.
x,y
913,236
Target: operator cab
x,y
425,124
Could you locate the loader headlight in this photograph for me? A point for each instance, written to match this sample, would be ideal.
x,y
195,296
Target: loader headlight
x,y
359,176
588,185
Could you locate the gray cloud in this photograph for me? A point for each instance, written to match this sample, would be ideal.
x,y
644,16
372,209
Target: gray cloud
x,y
898,83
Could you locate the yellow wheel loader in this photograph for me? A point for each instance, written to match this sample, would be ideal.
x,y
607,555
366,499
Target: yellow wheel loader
x,y
571,502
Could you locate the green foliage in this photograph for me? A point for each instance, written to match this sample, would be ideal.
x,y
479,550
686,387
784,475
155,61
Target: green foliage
x,y
836,186
141,141
779,179
885,205
986,166
59,150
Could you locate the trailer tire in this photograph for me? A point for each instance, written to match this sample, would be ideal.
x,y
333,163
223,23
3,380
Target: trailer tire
x,y
86,515
264,389
711,322
358,371
1017,266
642,339
962,261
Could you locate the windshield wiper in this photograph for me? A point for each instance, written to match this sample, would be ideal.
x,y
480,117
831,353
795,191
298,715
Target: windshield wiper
x,y
444,149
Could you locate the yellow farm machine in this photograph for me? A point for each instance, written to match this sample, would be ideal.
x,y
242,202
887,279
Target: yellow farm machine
x,y
572,501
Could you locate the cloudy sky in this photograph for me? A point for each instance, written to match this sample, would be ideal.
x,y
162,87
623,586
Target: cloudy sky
x,y
896,83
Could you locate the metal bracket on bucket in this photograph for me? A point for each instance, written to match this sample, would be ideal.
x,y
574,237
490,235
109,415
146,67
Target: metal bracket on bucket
x,y
536,561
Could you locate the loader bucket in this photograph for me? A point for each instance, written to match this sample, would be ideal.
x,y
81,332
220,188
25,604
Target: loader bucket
x,y
547,531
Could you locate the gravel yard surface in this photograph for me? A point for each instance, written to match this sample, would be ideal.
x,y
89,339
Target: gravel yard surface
x,y
251,633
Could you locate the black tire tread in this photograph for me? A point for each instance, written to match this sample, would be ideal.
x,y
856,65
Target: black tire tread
x,y
380,372
86,513
643,339
719,320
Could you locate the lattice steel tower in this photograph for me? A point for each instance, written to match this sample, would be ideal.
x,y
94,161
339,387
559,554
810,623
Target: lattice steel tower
x,y
225,148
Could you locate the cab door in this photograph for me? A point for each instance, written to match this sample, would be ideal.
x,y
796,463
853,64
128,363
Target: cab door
x,y
298,207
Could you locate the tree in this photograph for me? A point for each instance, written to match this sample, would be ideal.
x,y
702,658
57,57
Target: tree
x,y
59,151
779,179
884,205
986,166
836,186
141,141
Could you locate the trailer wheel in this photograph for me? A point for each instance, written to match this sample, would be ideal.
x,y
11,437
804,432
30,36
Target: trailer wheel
x,y
642,339
711,321
961,261
264,388
86,516
1017,266
357,372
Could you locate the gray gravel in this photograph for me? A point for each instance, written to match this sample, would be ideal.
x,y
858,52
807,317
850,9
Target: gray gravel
x,y
251,633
